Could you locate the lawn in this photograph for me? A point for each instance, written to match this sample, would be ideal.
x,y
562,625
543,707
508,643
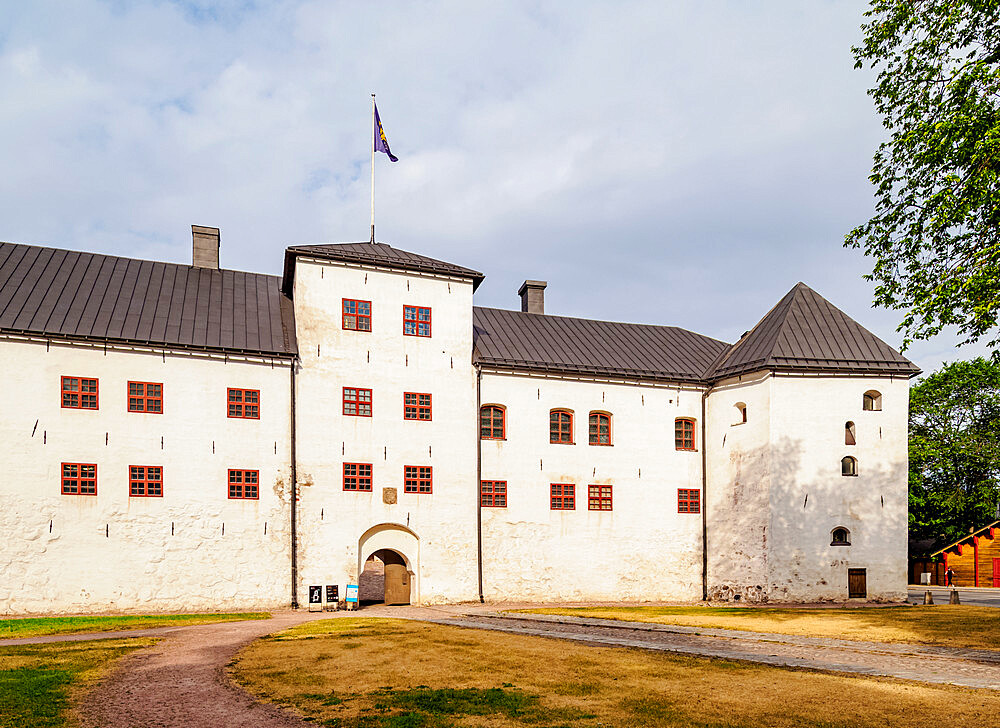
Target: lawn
x,y
383,673
40,626
945,625
39,682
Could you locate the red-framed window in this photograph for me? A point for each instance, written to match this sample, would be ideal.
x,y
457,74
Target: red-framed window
x,y
145,397
243,484
79,393
561,427
243,403
600,428
357,315
562,496
684,433
599,497
492,422
357,402
688,501
416,406
358,476
416,321
79,479
145,481
493,493
418,479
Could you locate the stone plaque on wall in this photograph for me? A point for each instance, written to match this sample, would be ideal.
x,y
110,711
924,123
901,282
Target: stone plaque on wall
x,y
389,496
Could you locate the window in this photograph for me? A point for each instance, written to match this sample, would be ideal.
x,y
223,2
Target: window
x,y
688,501
871,401
561,427
849,438
357,315
493,493
244,403
562,496
358,476
492,422
684,433
79,393
849,466
600,428
599,497
416,406
840,536
357,402
243,484
145,397
418,479
741,413
145,481
79,479
416,321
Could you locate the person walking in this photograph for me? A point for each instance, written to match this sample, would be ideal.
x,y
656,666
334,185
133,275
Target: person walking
x,y
949,577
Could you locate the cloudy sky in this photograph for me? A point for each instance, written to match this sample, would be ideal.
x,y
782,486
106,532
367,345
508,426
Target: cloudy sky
x,y
680,163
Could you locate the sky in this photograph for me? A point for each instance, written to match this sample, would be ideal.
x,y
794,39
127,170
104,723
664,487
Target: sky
x,y
677,163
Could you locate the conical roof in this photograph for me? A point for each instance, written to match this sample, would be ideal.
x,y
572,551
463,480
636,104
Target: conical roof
x,y
805,332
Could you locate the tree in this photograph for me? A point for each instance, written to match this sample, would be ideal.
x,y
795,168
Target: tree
x,y
955,450
935,234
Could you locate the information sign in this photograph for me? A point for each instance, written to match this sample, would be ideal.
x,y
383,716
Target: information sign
x,y
351,594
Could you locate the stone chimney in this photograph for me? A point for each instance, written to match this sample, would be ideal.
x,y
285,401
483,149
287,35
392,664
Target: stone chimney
x,y
532,295
206,247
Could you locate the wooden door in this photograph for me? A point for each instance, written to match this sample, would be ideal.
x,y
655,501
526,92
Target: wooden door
x,y
397,584
996,572
857,583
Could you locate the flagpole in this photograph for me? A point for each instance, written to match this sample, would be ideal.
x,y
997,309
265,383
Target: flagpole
x,y
373,168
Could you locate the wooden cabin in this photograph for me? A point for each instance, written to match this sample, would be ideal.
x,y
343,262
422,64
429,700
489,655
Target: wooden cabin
x,y
975,558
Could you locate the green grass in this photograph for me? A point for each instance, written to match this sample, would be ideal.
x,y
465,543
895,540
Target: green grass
x,y
41,626
38,682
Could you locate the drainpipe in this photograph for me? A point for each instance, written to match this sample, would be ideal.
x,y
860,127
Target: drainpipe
x,y
704,500
479,480
295,493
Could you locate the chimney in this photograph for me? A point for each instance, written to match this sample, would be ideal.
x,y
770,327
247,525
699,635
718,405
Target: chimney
x,y
532,295
206,247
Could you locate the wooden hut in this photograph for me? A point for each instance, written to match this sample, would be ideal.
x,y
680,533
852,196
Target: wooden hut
x,y
975,559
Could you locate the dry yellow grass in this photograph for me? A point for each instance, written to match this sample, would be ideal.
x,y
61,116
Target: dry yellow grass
x,y
945,625
354,672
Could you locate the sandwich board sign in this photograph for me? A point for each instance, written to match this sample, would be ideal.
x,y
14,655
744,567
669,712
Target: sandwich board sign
x,y
315,598
351,593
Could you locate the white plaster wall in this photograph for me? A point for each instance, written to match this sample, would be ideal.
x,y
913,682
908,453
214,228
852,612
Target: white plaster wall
x,y
643,549
70,553
331,520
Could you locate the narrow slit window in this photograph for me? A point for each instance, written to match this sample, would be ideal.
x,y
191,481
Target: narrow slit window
x,y
684,433
741,413
600,428
492,422
849,434
561,427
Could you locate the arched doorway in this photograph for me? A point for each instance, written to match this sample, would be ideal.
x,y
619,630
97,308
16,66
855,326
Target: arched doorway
x,y
388,558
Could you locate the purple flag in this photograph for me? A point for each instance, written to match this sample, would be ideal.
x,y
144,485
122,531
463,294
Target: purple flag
x,y
381,143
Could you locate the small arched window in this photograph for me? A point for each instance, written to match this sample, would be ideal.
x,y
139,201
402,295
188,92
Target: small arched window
x,y
561,426
741,413
600,428
684,433
872,401
849,434
840,536
849,466
492,422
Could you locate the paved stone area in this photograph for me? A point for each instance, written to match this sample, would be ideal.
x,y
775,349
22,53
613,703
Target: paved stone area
x,y
974,596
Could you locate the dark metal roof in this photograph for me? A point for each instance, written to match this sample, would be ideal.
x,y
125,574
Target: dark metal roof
x,y
537,342
805,332
71,294
379,254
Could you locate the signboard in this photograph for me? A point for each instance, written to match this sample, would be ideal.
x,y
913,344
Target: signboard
x,y
352,593
332,593
315,598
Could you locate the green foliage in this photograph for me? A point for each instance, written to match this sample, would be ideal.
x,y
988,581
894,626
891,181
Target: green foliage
x,y
935,235
37,626
955,450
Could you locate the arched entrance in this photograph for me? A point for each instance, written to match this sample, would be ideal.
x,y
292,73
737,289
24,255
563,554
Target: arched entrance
x,y
388,558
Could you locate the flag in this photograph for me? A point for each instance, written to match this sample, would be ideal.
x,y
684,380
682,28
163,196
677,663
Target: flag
x,y
381,143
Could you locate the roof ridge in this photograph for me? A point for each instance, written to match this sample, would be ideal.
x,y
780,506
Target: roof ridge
x,y
787,301
967,536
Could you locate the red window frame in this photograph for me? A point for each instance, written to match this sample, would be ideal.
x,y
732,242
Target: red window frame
x,y
562,496
595,422
560,429
79,393
358,477
145,397
357,402
243,404
493,493
688,500
416,321
78,478
357,315
244,484
684,434
488,422
417,406
418,479
599,498
145,481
